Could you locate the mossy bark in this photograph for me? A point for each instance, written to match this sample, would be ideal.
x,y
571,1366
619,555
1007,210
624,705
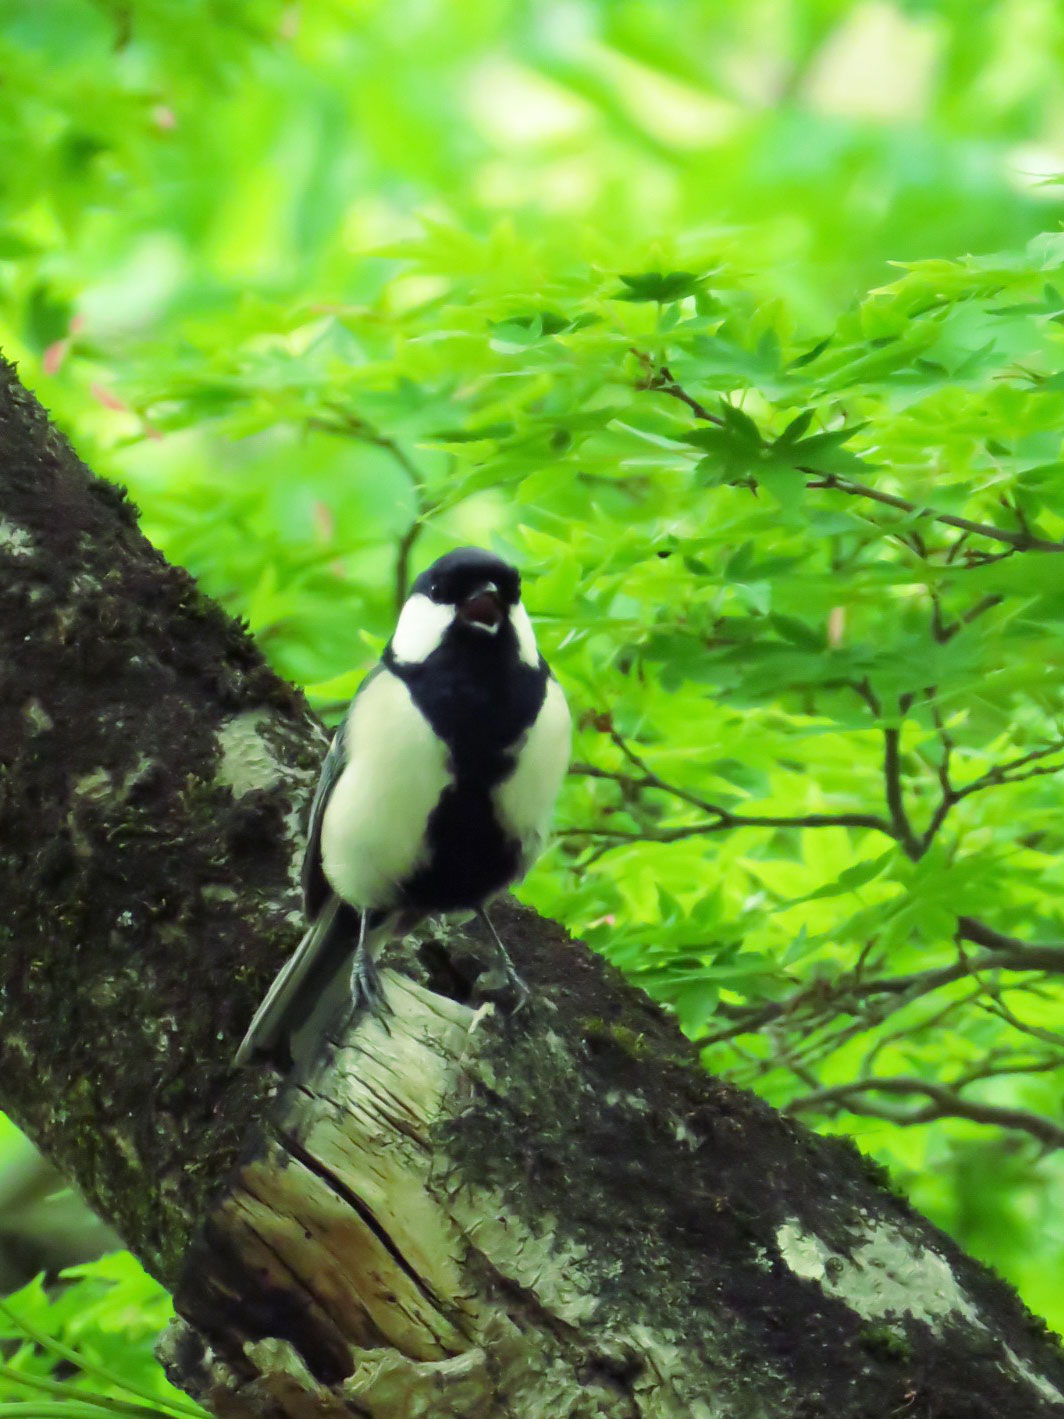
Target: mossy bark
x,y
462,1214
153,774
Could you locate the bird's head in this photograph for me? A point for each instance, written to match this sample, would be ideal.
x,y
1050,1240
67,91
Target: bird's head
x,y
467,597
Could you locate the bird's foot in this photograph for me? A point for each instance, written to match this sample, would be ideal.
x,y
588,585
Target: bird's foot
x,y
367,992
516,986
502,983
513,988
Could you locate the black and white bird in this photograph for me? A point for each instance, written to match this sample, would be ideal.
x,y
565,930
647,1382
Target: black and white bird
x,y
437,790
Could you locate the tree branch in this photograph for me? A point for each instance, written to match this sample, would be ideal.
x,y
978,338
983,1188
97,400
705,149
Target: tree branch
x,y
944,632
662,382
346,423
1009,772
946,1102
980,934
899,819
1023,541
823,996
724,819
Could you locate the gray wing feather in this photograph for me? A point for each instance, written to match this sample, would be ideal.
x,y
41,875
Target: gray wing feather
x,y
271,1018
319,904
316,890
312,877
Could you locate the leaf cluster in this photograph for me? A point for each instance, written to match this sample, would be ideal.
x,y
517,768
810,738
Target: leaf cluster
x,y
84,1349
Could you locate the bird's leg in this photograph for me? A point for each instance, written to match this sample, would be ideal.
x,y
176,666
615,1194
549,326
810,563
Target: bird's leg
x,y
365,980
513,980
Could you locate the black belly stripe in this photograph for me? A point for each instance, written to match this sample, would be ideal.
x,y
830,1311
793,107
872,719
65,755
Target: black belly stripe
x,y
470,857
480,698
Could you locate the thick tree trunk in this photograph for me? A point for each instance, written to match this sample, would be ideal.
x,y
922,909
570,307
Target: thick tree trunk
x,y
459,1214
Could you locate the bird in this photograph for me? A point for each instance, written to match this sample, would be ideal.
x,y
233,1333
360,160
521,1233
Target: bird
x,y
436,792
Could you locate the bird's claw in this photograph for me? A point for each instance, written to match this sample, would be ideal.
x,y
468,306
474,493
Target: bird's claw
x,y
520,991
503,983
514,986
367,992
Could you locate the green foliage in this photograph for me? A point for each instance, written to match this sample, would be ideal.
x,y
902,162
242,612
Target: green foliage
x,y
84,1349
606,285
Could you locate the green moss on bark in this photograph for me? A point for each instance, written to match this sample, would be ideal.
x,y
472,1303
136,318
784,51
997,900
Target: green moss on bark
x,y
145,905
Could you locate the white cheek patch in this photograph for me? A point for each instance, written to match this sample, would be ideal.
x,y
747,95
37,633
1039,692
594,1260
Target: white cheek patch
x,y
421,628
526,636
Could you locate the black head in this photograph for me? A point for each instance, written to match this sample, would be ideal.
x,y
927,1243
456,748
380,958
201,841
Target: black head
x,y
468,574
466,595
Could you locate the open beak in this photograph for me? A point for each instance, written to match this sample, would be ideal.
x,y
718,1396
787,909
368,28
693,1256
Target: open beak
x,y
483,607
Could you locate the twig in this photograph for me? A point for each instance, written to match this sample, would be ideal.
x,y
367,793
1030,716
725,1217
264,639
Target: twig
x,y
402,557
1022,541
996,1006
997,777
724,818
1010,955
354,426
945,1103
659,378
662,381
902,829
947,632
1007,773
969,929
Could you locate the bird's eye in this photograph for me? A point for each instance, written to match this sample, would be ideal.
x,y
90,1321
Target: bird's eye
x,y
434,591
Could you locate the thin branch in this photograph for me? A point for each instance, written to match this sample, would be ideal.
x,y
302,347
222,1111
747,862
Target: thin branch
x,y
863,688
969,929
1011,955
724,818
901,828
99,1404
947,632
996,777
352,425
945,1103
942,768
996,1006
662,381
939,1015
1000,1062
946,740
402,556
1022,541
659,379
1008,773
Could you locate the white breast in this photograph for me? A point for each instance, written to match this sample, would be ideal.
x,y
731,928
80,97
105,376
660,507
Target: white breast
x,y
524,801
373,827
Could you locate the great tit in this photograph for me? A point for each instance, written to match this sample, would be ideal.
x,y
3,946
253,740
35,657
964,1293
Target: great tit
x,y
437,790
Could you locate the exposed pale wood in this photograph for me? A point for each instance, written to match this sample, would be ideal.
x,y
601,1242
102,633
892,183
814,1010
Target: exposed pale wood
x,y
455,1299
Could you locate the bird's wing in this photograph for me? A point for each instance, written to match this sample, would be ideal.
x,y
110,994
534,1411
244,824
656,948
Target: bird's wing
x,y
271,1018
316,890
320,905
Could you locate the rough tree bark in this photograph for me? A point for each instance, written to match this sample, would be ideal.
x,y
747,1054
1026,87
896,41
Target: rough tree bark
x,y
557,1215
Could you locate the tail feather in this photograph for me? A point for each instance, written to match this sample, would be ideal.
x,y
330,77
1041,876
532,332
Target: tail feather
x,y
274,1017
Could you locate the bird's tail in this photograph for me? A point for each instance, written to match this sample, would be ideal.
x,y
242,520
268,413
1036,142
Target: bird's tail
x,y
280,1010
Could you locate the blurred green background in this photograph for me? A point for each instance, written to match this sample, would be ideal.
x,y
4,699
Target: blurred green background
x,y
334,285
